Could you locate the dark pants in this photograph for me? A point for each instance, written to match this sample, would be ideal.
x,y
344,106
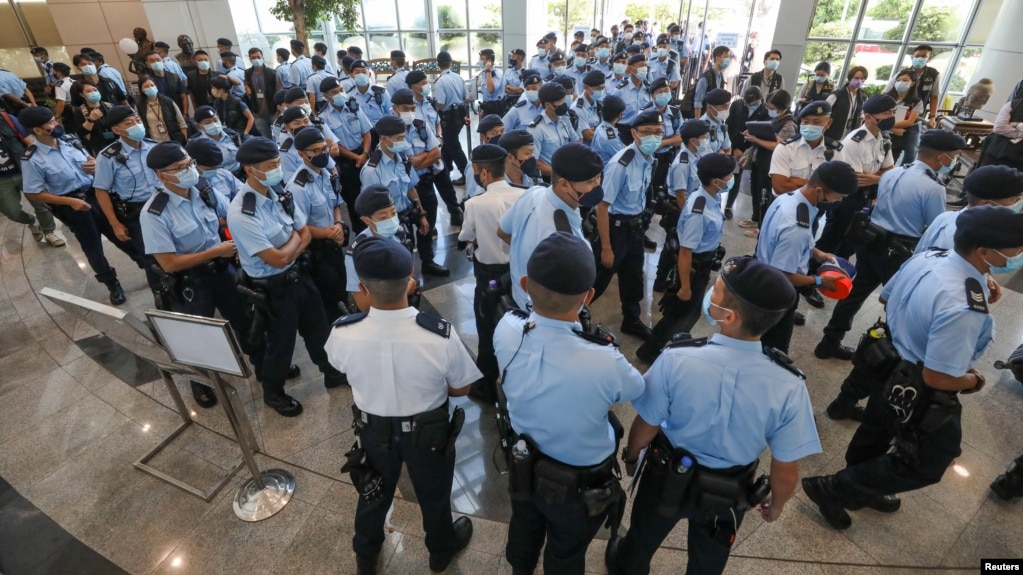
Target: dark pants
x,y
760,191
451,152
734,191
872,471
297,309
627,245
485,308
708,554
86,228
908,142
874,267
351,185
107,231
432,474
327,268
567,528
859,384
833,238
682,315
446,190
428,200
130,220
780,334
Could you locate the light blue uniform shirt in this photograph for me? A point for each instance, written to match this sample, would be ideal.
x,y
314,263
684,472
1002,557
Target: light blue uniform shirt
x,y
290,158
316,198
605,68
414,135
611,82
300,71
223,182
228,148
449,90
719,139
312,83
284,75
726,402
541,64
549,135
701,88
528,221
635,99
659,69
682,174
498,93
269,227
672,124
390,173
111,73
368,103
701,232
396,81
783,243
940,234
55,170
577,74
625,186
185,226
908,200
560,387
131,181
171,65
513,77
239,89
587,111
10,83
929,313
427,112
348,126
606,141
521,114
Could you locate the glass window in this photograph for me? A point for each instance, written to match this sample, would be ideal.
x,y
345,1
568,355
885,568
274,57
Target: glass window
x,y
941,20
450,14
482,40
344,41
886,19
381,44
835,18
267,22
816,52
380,15
985,21
457,44
485,14
964,71
941,58
878,59
413,14
416,46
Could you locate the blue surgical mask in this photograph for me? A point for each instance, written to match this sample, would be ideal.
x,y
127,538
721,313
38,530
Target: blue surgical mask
x,y
157,66
580,61
387,228
919,62
597,95
339,99
902,87
703,148
559,70
1011,264
641,73
603,53
273,177
213,129
820,79
93,97
811,133
706,307
726,63
1017,207
772,65
541,52
773,113
361,80
619,69
203,65
136,132
649,144
949,168
427,90
662,52
399,146
532,95
151,91
89,69
662,99
256,63
188,177
754,107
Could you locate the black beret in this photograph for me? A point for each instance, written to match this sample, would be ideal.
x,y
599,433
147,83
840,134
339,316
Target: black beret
x,y
487,52
519,52
414,77
294,113
942,140
541,41
601,42
552,92
221,83
319,61
329,83
307,137
293,94
879,104
279,96
358,64
594,78
566,82
715,166
443,57
576,162
35,116
256,150
633,50
562,263
203,113
694,129
550,36
397,54
403,97
995,227
659,84
613,105
118,114
757,284
489,122
662,39
620,56
226,42
636,59
163,45
818,108
390,125
204,151
515,139
228,54
488,153
382,259
994,182
557,55
648,117
717,97
164,154
530,77
581,48
372,199
839,177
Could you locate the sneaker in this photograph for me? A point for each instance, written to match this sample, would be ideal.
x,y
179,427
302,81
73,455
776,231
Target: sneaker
x,y
53,240
36,232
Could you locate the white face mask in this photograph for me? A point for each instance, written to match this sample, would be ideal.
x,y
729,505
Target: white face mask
x,y
408,117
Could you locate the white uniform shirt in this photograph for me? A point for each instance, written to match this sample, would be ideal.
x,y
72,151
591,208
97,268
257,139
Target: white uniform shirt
x,y
798,160
62,91
395,367
867,156
482,218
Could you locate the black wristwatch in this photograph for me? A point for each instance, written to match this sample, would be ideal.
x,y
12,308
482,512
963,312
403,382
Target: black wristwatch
x,y
625,457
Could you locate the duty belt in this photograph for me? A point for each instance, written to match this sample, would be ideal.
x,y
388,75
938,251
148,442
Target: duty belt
x,y
489,269
279,281
204,269
383,423
627,223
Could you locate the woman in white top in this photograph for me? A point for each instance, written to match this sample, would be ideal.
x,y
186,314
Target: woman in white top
x,y
906,133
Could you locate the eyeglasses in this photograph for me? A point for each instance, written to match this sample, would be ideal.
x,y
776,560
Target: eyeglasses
x,y
179,169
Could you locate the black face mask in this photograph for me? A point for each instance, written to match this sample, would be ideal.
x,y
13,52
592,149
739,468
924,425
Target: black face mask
x,y
561,110
511,62
57,131
476,178
320,160
823,205
592,198
528,167
886,124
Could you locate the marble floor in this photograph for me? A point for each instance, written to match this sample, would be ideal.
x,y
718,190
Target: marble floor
x,y
76,410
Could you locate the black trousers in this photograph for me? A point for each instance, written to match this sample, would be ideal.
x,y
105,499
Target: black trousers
x,y
130,220
874,267
428,200
627,245
872,471
684,314
327,268
446,190
566,527
833,238
760,190
351,185
432,474
107,231
297,309
451,152
734,190
485,308
708,552
780,334
85,226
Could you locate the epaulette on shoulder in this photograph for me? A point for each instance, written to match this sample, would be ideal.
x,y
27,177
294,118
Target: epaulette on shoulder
x,y
303,177
374,158
349,319
975,299
683,157
833,144
601,339
286,146
859,135
803,215
249,203
112,150
434,324
377,89
793,138
779,358
611,133
521,103
627,156
699,204
683,339
536,121
159,202
29,151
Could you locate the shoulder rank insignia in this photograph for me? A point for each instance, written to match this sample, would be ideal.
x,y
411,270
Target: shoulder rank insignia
x,y
249,204
286,146
698,204
793,138
975,299
521,103
434,324
374,158
303,177
803,215
536,121
159,202
611,133
859,135
779,358
683,339
112,150
349,319
627,156
29,151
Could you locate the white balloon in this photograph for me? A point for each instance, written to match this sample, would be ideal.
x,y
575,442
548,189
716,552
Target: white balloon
x,y
128,46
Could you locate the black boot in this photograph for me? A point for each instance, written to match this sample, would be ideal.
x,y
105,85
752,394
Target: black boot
x,y
635,326
117,296
648,353
798,318
366,565
334,378
463,533
844,408
611,556
456,216
814,298
1010,483
821,491
882,503
829,347
283,404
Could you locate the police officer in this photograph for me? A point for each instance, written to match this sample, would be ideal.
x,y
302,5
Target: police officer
x,y
123,184
786,237
579,67
490,128
665,64
208,157
618,75
558,65
715,113
180,225
57,171
939,324
314,192
226,139
312,83
301,66
344,116
869,151
766,402
575,182
577,447
490,82
908,200
528,105
539,62
606,141
295,118
634,91
552,129
426,110
391,166
294,97
699,237
401,407
449,92
270,233
374,101
620,220
397,79
489,255
661,93
520,167
588,105
602,57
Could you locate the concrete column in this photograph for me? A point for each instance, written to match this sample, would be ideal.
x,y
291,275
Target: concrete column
x,y
524,23
794,20
1002,58
203,20
98,24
